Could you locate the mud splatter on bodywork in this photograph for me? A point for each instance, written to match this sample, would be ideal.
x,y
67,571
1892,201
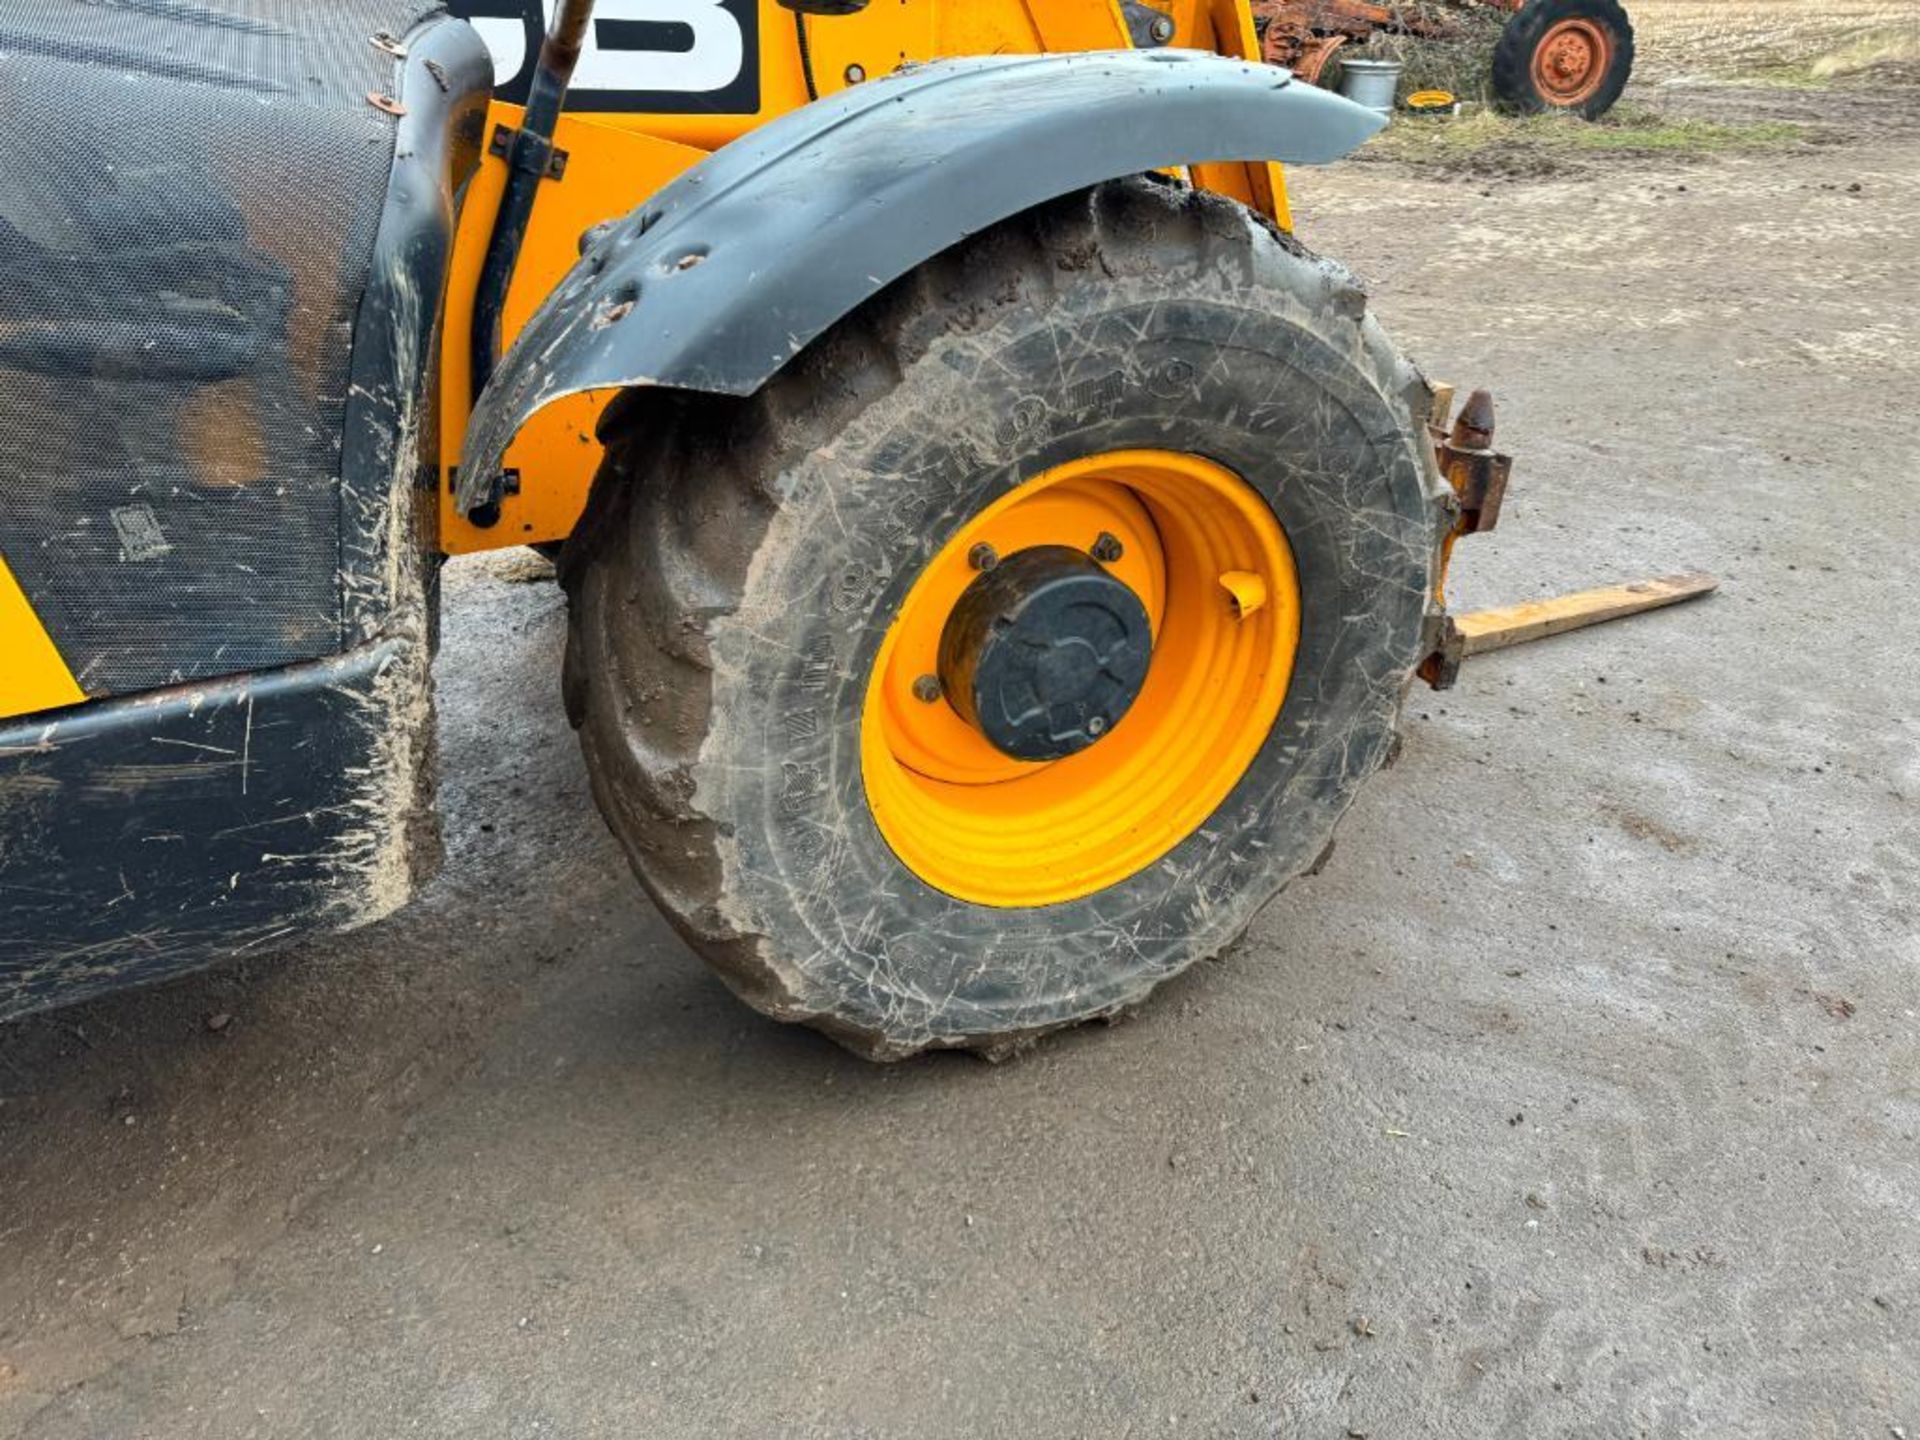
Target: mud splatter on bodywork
x,y
140,838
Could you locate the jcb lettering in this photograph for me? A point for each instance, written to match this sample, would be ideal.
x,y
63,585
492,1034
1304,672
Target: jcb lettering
x,y
655,56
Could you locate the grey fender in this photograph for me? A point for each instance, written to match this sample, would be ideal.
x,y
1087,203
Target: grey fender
x,y
733,268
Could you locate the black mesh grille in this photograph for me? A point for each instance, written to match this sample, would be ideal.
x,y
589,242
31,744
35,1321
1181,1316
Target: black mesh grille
x,y
187,212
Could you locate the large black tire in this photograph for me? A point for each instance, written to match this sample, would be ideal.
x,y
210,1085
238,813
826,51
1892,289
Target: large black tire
x,y
740,560
1517,86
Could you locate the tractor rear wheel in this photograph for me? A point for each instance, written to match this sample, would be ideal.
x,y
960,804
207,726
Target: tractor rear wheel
x,y
1023,637
1570,55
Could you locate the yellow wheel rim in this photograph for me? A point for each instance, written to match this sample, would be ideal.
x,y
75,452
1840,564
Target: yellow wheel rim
x,y
1212,568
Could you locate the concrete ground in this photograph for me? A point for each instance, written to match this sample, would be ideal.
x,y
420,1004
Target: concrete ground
x,y
1579,1095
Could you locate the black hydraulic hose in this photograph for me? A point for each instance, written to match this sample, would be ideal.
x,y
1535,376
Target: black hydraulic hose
x,y
528,159
806,54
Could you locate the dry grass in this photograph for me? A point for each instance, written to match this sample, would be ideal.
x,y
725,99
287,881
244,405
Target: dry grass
x,y
1461,63
1484,142
1790,42
1895,45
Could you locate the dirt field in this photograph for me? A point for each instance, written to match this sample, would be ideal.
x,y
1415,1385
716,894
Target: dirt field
x,y
1729,41
1576,1097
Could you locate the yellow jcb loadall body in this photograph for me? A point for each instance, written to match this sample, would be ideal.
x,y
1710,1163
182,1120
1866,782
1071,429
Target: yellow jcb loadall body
x,y
996,549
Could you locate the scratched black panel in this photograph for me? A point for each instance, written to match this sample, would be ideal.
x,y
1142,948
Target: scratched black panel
x,y
187,214
142,838
143,835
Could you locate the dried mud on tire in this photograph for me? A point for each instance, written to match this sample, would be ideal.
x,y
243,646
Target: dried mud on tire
x,y
740,562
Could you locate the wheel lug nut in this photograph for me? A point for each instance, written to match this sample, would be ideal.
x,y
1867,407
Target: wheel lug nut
x,y
927,688
983,556
1106,548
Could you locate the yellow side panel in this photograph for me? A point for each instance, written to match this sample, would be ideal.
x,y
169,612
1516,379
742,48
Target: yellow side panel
x,y
33,677
609,172
876,42
1081,25
883,37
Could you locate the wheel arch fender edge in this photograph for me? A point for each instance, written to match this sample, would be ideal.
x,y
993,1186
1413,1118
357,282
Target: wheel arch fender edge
x,y
725,275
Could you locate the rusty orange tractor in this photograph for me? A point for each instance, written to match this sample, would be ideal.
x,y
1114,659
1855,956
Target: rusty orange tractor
x,y
1567,55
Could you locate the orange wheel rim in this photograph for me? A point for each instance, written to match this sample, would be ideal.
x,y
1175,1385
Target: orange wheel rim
x,y
1210,564
1571,62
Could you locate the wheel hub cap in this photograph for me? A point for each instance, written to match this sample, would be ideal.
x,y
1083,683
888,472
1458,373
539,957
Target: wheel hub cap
x,y
1044,653
1571,62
